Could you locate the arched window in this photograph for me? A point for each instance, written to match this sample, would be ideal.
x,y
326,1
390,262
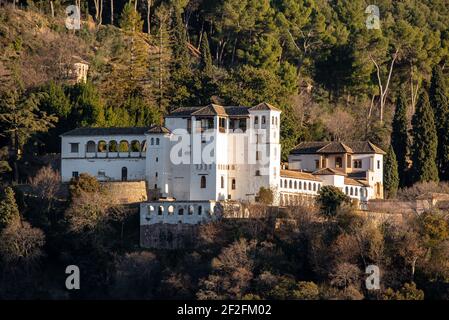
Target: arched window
x,y
113,146
276,121
305,185
171,209
256,121
180,211
233,184
102,146
123,146
352,191
314,187
347,190
356,192
310,186
152,141
191,210
300,185
280,183
124,174
222,182
160,210
203,182
338,162
264,120
135,146
362,192
296,185
272,120
285,183
290,184
200,210
90,147
157,141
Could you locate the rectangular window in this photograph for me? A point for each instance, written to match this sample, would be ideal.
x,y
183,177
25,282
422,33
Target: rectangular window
x,y
257,155
101,173
317,164
378,164
233,184
74,147
75,174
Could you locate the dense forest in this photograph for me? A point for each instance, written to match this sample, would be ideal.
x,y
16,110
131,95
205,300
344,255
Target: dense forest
x,y
332,76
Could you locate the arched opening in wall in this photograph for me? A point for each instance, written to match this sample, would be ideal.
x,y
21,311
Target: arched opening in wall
x,y
90,147
181,211
123,146
135,146
113,146
144,145
102,146
203,182
171,209
160,210
124,174
338,162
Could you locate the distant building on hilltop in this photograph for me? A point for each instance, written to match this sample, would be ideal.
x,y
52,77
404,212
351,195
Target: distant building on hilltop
x,y
204,157
76,70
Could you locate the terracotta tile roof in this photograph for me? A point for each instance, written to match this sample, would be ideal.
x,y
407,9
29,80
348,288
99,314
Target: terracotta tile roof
x,y
336,147
158,130
210,110
329,172
353,182
107,131
298,175
264,106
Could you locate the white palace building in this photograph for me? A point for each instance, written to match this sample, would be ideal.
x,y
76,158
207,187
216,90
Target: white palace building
x,y
204,157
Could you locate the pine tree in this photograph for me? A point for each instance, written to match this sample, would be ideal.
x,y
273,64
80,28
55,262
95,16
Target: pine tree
x,y
399,137
9,211
440,105
425,142
391,176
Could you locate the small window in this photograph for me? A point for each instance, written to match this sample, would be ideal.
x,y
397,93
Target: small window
x,y
264,120
200,210
74,147
157,159
257,173
90,148
378,164
317,164
300,185
75,174
290,184
101,173
222,182
157,141
203,182
152,141
272,120
160,210
314,187
156,174
296,184
180,211
233,184
357,164
256,120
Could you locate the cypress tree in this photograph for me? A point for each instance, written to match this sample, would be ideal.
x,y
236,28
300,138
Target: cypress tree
x,y
391,176
399,137
425,142
8,207
206,57
440,105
